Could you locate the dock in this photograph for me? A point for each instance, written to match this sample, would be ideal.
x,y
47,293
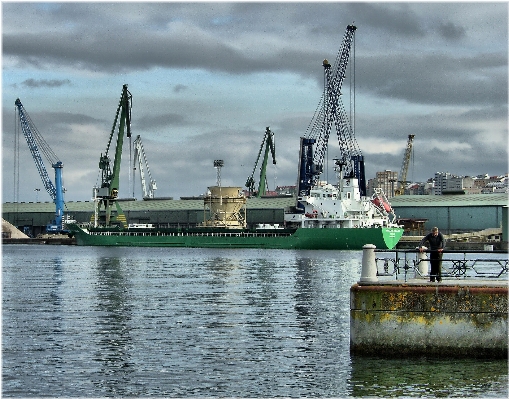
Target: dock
x,y
40,241
406,314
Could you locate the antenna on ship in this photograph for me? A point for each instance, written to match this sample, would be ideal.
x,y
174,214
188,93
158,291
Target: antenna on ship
x,y
218,164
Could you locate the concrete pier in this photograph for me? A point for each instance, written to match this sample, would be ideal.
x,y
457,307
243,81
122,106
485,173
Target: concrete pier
x,y
457,317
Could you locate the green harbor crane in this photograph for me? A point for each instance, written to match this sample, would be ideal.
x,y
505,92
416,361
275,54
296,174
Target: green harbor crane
x,y
269,143
107,194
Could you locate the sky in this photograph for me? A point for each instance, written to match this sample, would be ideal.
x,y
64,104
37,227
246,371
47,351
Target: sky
x,y
208,78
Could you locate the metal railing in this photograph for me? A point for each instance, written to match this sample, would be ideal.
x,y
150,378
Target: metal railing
x,y
454,264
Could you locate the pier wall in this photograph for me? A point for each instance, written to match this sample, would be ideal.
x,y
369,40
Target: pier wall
x,y
457,317
429,319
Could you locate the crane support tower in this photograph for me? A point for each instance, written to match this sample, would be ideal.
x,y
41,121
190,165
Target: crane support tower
x,y
404,166
36,144
107,194
331,113
270,145
140,158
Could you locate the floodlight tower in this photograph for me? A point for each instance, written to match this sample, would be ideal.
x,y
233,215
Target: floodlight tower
x,y
218,164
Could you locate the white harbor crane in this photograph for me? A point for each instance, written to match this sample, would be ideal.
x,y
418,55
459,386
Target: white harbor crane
x,y
140,159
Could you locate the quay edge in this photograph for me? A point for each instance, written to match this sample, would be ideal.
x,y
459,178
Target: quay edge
x,y
454,319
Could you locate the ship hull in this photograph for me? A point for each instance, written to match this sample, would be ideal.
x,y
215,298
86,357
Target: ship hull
x,y
302,238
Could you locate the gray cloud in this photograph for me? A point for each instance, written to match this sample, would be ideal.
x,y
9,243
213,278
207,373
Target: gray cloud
x,y
148,122
45,83
437,70
449,30
436,78
179,88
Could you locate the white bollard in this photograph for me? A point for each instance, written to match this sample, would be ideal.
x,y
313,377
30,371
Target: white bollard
x,y
368,273
423,265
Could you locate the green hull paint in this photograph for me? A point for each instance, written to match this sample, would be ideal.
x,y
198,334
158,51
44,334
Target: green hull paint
x,y
303,238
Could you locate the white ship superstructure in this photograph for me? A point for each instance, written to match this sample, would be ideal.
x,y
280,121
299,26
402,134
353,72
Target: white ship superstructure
x,y
342,206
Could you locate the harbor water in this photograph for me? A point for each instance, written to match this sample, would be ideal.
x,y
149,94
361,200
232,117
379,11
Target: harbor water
x,y
104,322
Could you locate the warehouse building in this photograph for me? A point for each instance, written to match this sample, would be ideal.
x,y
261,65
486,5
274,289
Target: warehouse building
x,y
31,218
450,213
453,213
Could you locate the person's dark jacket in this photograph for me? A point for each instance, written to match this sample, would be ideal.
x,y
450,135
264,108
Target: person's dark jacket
x,y
435,242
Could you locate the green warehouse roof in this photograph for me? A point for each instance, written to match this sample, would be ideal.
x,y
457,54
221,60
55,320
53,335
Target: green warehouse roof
x,y
263,203
151,205
450,200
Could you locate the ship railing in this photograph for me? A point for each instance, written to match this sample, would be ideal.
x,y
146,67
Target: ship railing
x,y
455,264
189,234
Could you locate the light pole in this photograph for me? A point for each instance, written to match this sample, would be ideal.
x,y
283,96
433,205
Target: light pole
x,y
392,181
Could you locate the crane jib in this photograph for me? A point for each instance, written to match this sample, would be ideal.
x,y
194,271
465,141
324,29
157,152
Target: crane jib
x,y
36,144
331,113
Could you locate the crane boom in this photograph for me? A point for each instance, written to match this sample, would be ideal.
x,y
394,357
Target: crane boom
x,y
269,143
331,112
141,158
36,144
404,166
110,176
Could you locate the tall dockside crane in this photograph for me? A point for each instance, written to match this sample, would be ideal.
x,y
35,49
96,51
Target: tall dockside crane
x,y
36,143
400,190
331,113
141,159
107,194
269,143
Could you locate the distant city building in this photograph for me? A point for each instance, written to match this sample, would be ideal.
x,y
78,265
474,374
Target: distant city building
x,y
415,189
440,182
370,187
468,182
497,186
443,183
387,181
286,190
472,190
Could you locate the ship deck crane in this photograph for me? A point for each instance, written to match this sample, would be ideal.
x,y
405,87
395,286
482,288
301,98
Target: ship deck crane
x,y
107,194
36,144
269,143
141,159
400,190
331,113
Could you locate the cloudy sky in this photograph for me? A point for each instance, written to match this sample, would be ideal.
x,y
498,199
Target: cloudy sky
x,y
208,78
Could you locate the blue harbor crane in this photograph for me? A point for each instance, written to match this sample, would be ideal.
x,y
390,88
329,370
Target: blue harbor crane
x,y
331,113
36,144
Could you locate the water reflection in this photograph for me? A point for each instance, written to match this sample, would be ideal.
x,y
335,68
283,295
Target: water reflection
x,y
303,301
141,322
114,343
261,297
57,281
425,377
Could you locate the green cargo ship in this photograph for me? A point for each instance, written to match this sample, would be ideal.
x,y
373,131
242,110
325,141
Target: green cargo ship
x,y
301,238
326,222
325,216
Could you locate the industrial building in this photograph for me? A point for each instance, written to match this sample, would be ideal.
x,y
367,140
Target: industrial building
x,y
453,213
31,218
450,213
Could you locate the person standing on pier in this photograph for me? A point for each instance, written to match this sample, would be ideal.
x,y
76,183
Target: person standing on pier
x,y
436,245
